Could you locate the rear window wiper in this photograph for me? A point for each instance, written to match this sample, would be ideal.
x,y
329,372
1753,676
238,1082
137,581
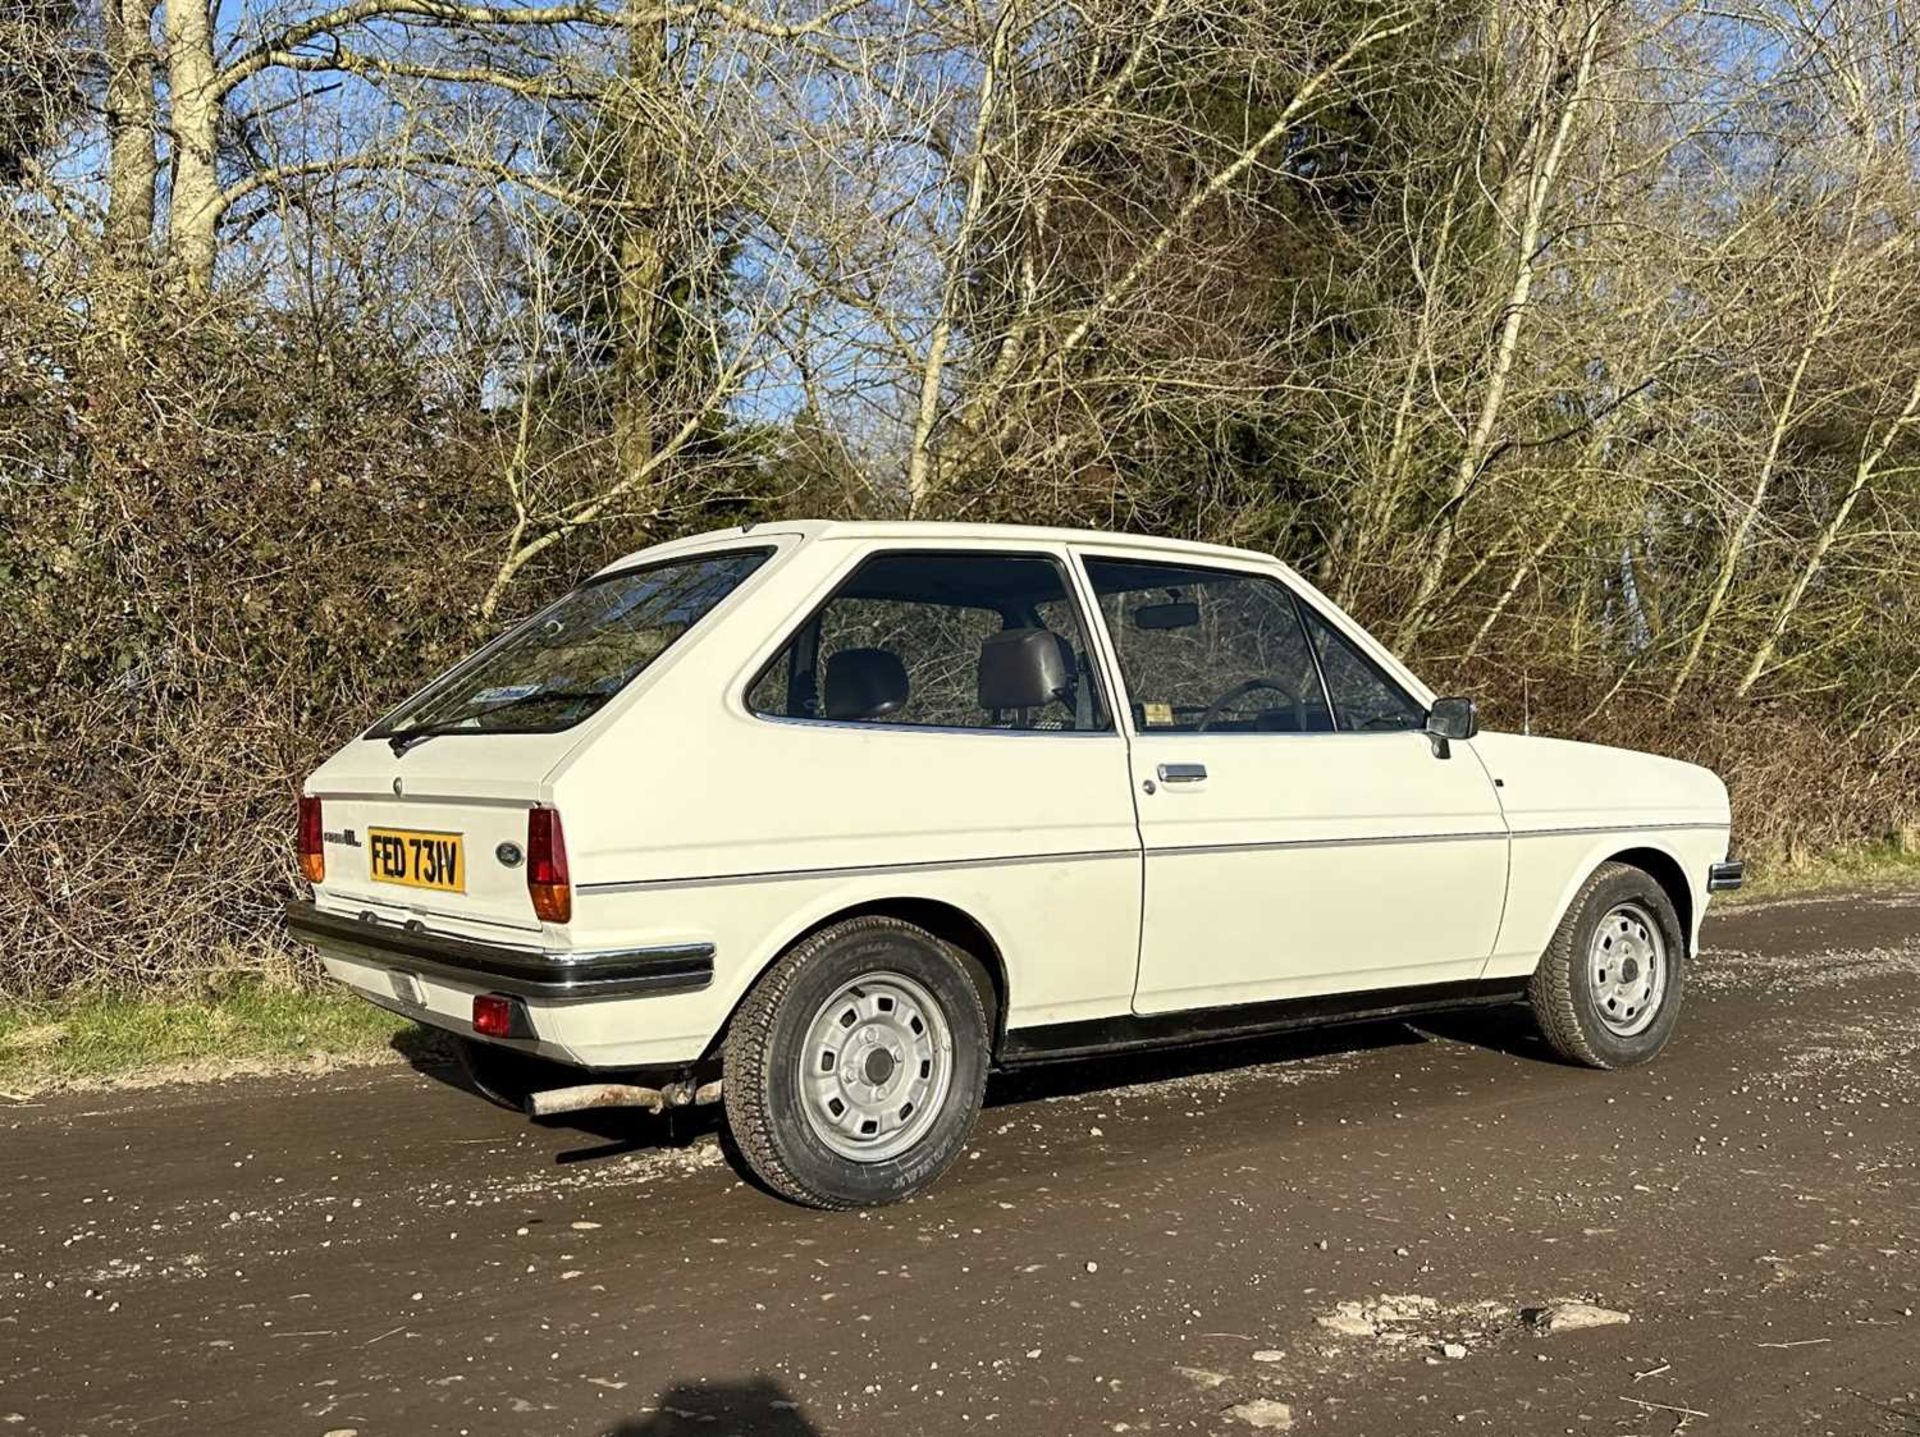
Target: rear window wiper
x,y
406,738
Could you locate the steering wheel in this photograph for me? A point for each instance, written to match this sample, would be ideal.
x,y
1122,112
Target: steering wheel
x,y
1241,690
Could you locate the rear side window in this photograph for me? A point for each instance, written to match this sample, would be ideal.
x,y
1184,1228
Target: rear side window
x,y
947,640
1209,650
567,660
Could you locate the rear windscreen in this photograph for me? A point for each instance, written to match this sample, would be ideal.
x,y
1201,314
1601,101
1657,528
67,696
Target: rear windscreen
x,y
571,657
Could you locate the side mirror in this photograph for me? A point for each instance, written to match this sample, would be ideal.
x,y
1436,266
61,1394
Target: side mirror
x,y
1453,718
1450,719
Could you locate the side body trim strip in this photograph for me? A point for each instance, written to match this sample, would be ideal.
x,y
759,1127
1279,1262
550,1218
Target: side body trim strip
x,y
1368,841
788,875
1695,827
937,865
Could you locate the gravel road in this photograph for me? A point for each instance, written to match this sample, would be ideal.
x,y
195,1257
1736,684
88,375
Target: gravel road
x,y
1145,1246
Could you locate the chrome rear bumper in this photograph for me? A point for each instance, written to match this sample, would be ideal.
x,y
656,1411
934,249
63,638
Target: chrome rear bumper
x,y
520,972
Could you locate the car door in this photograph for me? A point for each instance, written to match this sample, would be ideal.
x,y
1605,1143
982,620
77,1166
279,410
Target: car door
x,y
1302,834
906,756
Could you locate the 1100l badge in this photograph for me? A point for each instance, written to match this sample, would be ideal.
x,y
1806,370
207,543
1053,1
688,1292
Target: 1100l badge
x,y
417,860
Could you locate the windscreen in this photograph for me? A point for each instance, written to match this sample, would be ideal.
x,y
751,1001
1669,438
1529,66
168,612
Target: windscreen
x,y
567,660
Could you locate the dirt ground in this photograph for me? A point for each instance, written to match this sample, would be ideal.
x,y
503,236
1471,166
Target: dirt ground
x,y
1144,1246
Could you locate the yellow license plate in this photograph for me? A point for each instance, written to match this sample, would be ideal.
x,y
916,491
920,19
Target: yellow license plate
x,y
417,860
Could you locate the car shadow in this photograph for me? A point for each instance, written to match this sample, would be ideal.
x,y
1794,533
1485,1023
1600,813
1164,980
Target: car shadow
x,y
1509,1029
424,1048
1126,1070
758,1405
616,1132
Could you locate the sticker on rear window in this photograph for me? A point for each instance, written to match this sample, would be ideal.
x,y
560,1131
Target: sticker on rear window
x,y
505,692
1157,713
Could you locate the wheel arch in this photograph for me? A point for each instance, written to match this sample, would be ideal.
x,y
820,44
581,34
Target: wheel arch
x,y
946,921
1667,871
1658,863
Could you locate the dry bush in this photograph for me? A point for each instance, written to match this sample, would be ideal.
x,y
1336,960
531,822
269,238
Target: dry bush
x,y
219,554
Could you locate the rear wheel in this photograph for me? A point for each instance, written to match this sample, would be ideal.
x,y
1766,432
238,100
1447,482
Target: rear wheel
x,y
1607,991
856,1066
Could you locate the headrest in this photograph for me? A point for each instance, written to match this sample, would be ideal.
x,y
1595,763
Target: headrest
x,y
864,684
1024,668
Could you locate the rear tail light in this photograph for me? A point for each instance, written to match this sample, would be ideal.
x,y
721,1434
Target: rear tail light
x,y
492,1015
308,843
547,866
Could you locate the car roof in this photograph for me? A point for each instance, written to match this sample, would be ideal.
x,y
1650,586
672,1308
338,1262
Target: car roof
x,y
910,530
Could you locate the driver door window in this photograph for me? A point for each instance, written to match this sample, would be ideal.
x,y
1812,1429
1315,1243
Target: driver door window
x,y
1209,650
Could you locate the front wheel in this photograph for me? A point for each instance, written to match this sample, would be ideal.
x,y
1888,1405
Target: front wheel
x,y
1607,991
856,1066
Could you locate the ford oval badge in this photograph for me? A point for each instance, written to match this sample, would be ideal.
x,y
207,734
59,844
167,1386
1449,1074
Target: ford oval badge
x,y
509,854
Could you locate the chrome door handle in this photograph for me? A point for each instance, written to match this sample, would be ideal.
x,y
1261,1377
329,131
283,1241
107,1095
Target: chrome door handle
x,y
1182,772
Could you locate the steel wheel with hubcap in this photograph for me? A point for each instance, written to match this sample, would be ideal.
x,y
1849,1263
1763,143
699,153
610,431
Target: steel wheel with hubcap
x,y
1607,990
875,1066
856,1065
1629,961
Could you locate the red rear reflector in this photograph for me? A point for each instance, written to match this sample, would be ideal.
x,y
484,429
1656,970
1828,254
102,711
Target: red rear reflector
x,y
492,1015
308,843
547,878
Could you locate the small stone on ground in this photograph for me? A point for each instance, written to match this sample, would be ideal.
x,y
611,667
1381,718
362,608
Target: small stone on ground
x,y
1572,1316
1201,1378
1264,1412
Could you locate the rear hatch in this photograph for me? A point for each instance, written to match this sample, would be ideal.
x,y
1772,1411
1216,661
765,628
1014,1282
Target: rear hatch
x,y
428,821
437,834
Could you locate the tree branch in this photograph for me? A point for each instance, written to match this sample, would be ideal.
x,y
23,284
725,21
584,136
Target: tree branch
x,y
448,12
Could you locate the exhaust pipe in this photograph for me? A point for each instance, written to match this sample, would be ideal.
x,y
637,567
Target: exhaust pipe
x,y
551,1102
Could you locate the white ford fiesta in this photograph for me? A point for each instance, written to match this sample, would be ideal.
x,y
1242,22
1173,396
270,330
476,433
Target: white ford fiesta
x,y
827,820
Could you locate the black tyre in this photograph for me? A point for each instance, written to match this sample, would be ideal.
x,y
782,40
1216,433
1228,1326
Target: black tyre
x,y
505,1075
1608,989
856,1065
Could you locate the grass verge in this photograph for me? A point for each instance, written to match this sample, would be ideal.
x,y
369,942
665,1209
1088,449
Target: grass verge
x,y
1878,865
243,1026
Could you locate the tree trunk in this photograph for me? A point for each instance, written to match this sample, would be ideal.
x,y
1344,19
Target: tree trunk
x,y
642,254
1522,572
927,409
193,215
1783,420
133,165
1380,507
1863,472
1506,345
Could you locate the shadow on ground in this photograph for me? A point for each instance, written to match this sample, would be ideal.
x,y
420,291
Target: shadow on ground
x,y
759,1406
1126,1070
423,1047
1510,1030
615,1132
